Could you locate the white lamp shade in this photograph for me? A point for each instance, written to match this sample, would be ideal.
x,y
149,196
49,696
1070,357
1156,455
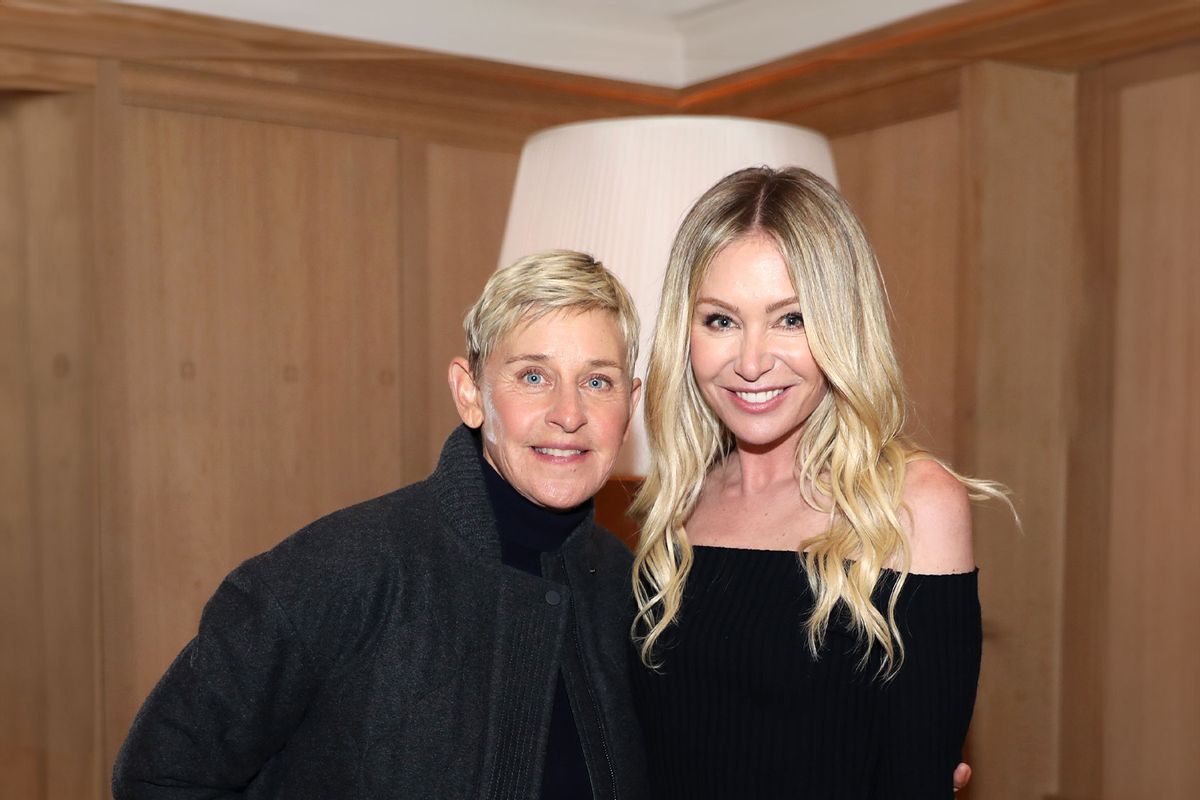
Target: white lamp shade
x,y
618,189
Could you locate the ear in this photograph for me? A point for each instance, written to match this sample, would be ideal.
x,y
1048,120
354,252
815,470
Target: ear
x,y
634,397
468,398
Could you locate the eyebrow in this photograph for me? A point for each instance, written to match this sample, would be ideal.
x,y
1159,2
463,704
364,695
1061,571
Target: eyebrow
x,y
778,304
542,358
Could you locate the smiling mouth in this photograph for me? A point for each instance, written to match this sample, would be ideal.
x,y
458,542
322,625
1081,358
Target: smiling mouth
x,y
557,452
759,397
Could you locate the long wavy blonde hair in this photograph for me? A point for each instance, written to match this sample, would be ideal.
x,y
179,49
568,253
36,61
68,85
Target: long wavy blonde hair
x,y
852,450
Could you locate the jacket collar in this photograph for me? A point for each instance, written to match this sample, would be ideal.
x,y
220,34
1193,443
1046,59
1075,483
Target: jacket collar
x,y
457,483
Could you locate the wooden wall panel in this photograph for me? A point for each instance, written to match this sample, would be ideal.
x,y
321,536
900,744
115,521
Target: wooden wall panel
x,y
252,328
48,532
288,230
1152,705
467,193
1021,232
22,691
902,181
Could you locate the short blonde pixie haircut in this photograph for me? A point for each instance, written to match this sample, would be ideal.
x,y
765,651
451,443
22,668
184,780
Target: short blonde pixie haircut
x,y
541,283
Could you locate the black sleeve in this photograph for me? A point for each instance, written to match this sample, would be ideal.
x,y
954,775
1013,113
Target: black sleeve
x,y
929,702
228,702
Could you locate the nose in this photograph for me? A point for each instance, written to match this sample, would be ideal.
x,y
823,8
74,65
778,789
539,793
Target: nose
x,y
754,358
566,409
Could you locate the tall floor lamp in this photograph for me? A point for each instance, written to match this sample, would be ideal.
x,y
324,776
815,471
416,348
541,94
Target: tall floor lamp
x,y
619,188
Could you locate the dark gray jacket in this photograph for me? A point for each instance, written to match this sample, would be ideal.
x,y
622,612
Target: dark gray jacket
x,y
384,651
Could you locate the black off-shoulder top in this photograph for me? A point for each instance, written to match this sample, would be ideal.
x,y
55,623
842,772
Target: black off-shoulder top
x,y
741,708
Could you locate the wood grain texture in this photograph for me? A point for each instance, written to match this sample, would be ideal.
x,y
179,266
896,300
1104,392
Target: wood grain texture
x,y
362,99
417,372
1053,34
910,99
820,87
30,70
48,526
1152,707
1022,232
22,688
256,334
467,195
1085,555
902,180
142,34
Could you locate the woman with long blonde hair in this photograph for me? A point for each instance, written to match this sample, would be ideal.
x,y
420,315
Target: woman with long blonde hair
x,y
808,621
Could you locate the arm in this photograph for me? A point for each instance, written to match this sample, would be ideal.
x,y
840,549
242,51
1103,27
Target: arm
x,y
930,701
224,707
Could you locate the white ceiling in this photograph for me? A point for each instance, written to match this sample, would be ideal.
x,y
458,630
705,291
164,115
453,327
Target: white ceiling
x,y
672,43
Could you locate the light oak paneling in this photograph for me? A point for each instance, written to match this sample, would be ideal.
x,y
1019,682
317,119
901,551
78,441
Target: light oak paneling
x,y
436,104
1021,232
898,72
902,180
467,194
917,98
1053,34
1085,552
253,330
138,34
1151,701
22,690
29,70
48,527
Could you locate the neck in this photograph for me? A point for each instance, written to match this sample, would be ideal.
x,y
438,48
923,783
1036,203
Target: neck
x,y
753,469
521,521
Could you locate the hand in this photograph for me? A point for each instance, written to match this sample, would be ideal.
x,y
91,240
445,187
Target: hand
x,y
962,776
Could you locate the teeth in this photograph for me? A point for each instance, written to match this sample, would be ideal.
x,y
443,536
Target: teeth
x,y
553,451
759,397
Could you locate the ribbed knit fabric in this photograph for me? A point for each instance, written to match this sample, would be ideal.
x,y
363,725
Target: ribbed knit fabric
x,y
740,708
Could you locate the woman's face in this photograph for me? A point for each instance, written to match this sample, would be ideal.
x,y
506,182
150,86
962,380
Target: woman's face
x,y
555,401
750,354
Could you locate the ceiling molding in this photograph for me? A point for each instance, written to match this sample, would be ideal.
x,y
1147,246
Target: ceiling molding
x,y
567,37
907,67
729,38
1063,35
666,44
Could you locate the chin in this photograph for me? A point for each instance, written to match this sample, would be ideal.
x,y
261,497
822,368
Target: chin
x,y
763,439
562,500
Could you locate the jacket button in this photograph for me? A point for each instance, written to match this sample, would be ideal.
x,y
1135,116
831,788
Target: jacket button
x,y
553,597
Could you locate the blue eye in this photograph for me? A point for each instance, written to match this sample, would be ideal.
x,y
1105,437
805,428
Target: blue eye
x,y
533,378
718,321
793,320
598,382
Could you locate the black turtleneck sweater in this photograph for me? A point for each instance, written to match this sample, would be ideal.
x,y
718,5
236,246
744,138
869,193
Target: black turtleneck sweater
x,y
526,531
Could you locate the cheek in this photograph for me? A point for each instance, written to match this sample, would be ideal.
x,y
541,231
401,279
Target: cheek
x,y
801,360
506,419
491,420
613,419
704,356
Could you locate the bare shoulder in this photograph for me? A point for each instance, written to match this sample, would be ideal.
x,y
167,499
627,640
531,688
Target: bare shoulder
x,y
938,522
